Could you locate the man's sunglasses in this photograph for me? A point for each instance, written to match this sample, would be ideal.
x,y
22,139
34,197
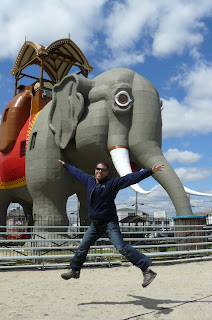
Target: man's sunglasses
x,y
100,169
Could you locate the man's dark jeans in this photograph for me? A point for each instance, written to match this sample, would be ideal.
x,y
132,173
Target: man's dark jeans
x,y
112,230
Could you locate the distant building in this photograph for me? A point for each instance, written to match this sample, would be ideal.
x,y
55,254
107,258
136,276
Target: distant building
x,y
17,223
208,215
160,214
129,212
127,216
16,215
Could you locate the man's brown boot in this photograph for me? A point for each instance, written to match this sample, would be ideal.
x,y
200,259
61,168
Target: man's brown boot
x,y
70,274
149,276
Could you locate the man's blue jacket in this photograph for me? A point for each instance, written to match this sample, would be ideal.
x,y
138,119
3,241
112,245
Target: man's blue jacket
x,y
104,209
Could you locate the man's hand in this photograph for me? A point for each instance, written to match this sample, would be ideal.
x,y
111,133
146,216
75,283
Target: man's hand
x,y
62,162
157,168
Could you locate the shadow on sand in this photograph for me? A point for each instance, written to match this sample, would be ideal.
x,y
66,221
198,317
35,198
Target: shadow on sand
x,y
151,304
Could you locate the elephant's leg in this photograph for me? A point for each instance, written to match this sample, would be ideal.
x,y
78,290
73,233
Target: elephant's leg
x,y
3,218
83,211
5,200
168,180
27,207
50,211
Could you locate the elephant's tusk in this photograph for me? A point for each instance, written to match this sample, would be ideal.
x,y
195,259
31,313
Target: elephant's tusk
x,y
121,160
196,193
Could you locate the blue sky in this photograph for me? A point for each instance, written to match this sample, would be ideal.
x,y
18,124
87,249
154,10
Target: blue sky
x,y
168,42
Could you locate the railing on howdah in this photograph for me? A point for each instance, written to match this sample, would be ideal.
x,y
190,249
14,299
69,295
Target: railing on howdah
x,y
45,247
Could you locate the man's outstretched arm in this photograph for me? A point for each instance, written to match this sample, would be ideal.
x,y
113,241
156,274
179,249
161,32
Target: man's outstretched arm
x,y
80,175
135,177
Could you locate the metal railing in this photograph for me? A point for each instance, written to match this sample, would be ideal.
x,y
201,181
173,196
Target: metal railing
x,y
43,247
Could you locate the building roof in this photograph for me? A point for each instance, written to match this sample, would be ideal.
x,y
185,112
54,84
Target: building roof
x,y
188,217
133,219
206,213
57,59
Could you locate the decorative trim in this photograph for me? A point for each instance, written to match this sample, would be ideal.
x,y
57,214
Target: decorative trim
x,y
21,181
13,184
30,127
117,147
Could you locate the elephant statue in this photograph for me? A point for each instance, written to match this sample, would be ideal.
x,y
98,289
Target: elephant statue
x,y
115,118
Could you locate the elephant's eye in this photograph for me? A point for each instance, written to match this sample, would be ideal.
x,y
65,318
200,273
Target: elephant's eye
x,y
122,98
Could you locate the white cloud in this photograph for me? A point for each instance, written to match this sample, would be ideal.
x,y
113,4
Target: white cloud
x,y
193,174
121,60
193,114
128,21
159,28
198,84
200,204
173,25
157,194
157,200
47,21
179,27
187,157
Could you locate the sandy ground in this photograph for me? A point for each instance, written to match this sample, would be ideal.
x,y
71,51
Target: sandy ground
x,y
180,291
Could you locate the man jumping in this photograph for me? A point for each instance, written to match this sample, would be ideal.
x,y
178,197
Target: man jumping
x,y
101,194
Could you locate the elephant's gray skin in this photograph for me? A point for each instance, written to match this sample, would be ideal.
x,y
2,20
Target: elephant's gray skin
x,y
84,121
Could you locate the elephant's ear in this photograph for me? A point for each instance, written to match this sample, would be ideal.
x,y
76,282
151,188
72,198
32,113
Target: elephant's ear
x,y
67,107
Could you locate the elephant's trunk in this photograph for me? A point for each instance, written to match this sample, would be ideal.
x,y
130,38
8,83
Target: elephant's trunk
x,y
167,178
